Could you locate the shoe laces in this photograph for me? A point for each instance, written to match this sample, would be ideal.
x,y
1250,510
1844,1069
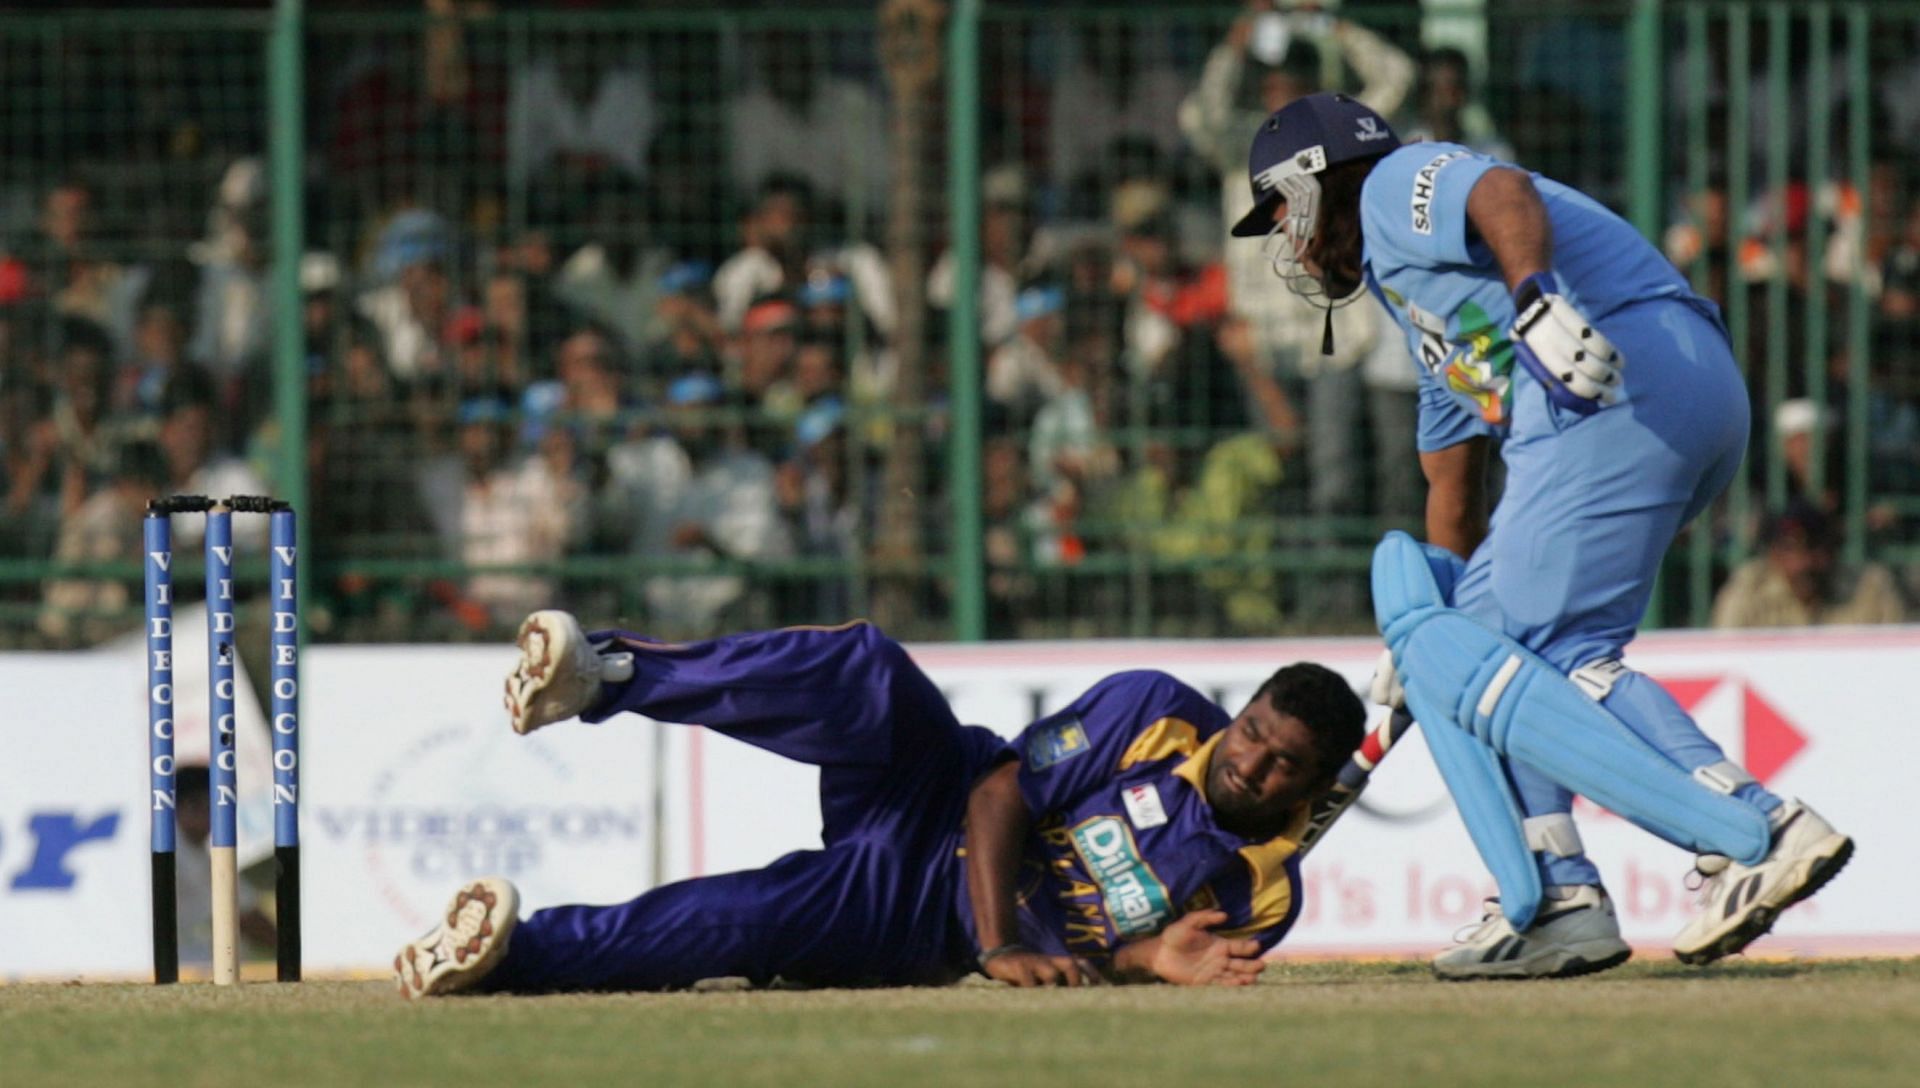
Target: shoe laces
x,y
1705,868
1489,910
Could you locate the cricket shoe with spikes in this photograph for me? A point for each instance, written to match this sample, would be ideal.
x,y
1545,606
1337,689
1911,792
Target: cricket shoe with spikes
x,y
469,941
1574,934
1740,902
559,672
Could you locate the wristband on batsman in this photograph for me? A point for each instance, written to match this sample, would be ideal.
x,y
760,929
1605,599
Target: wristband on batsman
x,y
1578,367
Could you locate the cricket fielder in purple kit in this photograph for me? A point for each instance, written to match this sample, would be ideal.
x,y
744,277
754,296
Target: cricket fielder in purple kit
x,y
1139,834
1522,303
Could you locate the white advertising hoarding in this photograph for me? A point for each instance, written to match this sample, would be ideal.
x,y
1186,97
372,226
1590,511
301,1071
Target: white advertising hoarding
x,y
411,780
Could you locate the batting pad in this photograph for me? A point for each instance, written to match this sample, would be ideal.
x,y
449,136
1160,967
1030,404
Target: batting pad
x,y
1487,806
1480,788
1458,671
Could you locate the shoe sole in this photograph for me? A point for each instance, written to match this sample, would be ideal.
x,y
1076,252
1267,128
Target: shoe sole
x,y
485,943
1821,868
532,675
1574,967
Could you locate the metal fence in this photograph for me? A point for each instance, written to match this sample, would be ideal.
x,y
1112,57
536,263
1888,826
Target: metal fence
x,y
660,315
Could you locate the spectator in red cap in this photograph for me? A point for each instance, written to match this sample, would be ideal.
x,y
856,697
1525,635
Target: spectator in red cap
x,y
769,340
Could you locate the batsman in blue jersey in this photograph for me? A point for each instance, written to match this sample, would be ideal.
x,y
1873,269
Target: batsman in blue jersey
x,y
1543,323
1139,834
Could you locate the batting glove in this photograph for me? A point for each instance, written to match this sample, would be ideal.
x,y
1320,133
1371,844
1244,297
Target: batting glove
x,y
1557,344
1385,688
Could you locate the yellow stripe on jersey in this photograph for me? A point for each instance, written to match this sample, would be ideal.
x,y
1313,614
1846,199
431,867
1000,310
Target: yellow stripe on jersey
x,y
1272,893
1166,737
1194,767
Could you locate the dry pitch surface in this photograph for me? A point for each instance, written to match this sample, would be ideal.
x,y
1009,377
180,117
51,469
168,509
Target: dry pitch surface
x,y
1744,1024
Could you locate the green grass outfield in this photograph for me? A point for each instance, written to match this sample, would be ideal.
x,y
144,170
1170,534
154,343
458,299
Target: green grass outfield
x,y
1827,1023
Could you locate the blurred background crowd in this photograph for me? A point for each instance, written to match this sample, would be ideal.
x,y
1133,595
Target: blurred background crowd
x,y
641,310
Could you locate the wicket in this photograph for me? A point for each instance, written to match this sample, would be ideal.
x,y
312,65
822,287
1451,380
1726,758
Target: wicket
x,y
157,537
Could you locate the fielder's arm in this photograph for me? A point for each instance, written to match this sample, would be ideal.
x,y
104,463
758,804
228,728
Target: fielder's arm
x,y
997,823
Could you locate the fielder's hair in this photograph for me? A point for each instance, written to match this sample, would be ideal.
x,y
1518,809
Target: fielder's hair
x,y
1326,703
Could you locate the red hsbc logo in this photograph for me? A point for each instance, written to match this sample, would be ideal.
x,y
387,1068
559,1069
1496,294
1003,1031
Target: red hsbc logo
x,y
1767,740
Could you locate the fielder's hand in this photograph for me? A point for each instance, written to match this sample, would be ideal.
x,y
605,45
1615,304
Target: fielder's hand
x,y
1557,344
1024,967
1191,954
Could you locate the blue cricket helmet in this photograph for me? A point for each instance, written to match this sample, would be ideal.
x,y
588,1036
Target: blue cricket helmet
x,y
1305,137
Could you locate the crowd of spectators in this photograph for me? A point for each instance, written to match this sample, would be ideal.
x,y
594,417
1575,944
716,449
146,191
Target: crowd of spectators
x,y
610,319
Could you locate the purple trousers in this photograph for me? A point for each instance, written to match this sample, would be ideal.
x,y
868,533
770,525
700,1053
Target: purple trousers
x,y
875,906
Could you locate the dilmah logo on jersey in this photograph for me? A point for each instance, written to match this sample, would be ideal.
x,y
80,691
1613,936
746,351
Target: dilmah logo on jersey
x,y
1370,130
1144,809
1137,902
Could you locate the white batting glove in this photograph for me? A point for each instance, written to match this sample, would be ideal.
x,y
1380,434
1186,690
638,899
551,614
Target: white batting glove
x,y
1385,687
1579,367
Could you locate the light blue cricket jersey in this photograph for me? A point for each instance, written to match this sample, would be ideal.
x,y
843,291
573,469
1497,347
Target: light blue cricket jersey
x,y
1446,291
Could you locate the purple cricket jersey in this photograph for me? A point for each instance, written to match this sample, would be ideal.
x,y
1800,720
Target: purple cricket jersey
x,y
1124,840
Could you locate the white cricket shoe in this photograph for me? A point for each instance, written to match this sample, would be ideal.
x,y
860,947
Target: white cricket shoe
x,y
1574,934
459,952
1740,902
559,673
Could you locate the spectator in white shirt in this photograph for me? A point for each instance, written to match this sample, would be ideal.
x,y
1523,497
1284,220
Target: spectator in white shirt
x,y
193,468
772,251
1117,88
702,495
588,114
796,117
511,513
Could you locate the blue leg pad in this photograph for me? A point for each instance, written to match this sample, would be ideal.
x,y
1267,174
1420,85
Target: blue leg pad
x,y
1489,809
1456,670
1409,577
1416,578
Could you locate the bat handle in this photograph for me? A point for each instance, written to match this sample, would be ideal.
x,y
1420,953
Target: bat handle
x,y
1354,776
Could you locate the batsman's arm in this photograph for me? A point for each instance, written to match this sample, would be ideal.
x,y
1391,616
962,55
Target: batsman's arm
x,y
1506,211
1577,366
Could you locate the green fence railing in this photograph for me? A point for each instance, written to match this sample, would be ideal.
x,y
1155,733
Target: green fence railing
x,y
698,317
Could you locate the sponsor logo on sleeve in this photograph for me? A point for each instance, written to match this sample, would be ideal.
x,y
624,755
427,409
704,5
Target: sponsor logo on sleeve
x,y
1423,190
1434,348
1144,809
1137,902
1057,743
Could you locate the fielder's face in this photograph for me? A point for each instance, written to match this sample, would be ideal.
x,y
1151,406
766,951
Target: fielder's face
x,y
1265,766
